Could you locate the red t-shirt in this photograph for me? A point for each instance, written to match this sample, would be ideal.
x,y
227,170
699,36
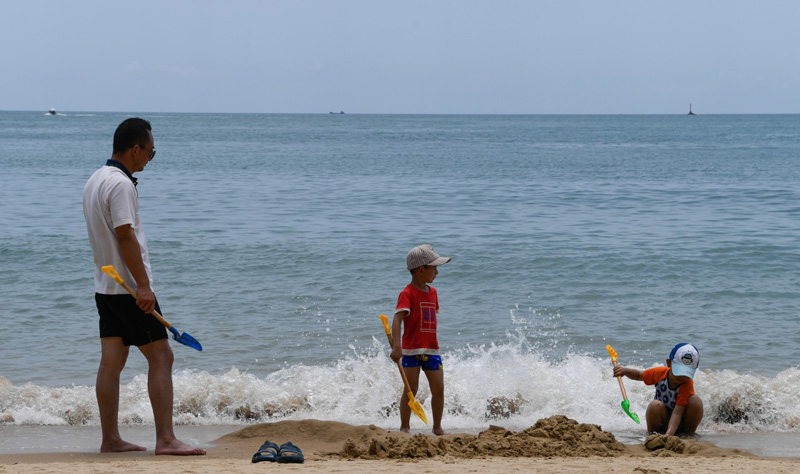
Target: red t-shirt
x,y
419,326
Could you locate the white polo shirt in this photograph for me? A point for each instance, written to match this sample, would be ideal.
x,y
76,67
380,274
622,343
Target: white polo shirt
x,y
110,200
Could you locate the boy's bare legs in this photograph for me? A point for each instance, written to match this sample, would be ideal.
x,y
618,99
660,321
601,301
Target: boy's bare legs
x,y
436,383
657,417
159,386
692,415
412,374
113,356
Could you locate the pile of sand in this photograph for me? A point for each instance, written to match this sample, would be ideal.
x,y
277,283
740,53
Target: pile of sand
x,y
557,436
661,445
554,436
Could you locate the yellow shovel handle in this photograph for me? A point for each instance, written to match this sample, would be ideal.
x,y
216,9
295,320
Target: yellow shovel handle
x,y
613,355
110,271
385,321
412,402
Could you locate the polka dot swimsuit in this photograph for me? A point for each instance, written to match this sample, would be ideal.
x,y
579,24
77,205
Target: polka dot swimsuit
x,y
667,395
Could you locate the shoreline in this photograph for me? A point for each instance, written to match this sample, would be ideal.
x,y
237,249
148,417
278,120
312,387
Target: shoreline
x,y
333,446
85,439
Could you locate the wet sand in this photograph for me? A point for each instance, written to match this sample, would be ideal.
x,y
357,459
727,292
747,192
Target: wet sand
x,y
554,445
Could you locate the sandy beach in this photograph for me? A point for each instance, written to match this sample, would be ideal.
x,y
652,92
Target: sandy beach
x,y
554,445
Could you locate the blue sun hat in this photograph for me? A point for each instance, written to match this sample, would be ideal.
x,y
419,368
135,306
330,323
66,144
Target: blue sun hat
x,y
685,359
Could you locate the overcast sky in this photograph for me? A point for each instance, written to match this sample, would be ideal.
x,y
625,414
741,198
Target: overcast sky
x,y
410,56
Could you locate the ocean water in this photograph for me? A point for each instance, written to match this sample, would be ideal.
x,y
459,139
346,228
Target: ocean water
x,y
278,240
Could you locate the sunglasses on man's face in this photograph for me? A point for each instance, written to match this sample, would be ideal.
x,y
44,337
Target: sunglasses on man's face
x,y
152,151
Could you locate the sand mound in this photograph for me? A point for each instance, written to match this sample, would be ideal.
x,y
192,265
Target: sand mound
x,y
557,436
322,438
554,436
661,445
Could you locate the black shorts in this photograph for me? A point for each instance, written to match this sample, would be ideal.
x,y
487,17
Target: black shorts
x,y
120,317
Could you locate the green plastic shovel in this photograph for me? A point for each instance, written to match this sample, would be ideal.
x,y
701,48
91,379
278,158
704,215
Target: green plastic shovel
x,y
412,402
626,405
184,338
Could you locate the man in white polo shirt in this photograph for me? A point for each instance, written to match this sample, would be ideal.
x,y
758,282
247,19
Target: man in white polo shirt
x,y
111,210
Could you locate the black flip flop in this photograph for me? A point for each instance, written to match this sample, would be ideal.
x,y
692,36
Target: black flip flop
x,y
290,453
267,452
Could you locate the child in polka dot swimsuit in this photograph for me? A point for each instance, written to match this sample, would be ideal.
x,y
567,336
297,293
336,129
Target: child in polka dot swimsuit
x,y
676,409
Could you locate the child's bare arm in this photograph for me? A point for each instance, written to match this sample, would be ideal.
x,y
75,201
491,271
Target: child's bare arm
x,y
675,420
397,351
620,371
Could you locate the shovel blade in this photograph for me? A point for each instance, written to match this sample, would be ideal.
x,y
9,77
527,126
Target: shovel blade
x,y
626,407
185,338
417,408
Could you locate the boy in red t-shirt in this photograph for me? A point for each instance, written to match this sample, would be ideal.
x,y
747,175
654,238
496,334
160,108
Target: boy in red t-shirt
x,y
676,409
417,311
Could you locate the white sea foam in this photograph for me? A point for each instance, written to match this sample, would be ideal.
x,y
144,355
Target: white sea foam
x,y
497,384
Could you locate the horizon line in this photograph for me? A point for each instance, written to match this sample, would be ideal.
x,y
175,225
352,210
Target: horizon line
x,y
44,112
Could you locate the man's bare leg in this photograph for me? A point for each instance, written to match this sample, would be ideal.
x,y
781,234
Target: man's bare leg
x,y
159,386
112,361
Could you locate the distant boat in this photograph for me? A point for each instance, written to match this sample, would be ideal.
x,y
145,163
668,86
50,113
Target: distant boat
x,y
690,110
51,112
337,113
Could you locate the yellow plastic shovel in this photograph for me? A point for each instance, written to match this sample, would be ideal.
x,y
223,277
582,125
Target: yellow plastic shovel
x,y
183,337
626,405
412,402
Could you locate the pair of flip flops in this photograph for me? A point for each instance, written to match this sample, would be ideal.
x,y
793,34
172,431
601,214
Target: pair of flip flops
x,y
284,453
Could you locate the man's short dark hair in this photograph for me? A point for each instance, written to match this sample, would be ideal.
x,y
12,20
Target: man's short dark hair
x,y
131,132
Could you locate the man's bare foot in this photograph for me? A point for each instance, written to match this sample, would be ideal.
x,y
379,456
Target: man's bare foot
x,y
120,447
440,432
178,448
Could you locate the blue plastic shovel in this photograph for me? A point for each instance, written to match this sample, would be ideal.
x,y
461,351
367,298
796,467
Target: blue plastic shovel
x,y
184,338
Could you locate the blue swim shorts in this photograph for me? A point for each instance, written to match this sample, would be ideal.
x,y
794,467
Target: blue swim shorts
x,y
427,362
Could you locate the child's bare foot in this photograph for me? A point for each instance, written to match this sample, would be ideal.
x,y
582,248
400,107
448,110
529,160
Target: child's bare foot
x,y
178,448
120,446
440,432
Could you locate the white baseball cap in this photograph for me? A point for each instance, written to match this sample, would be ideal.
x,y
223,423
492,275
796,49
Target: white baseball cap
x,y
422,255
685,359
